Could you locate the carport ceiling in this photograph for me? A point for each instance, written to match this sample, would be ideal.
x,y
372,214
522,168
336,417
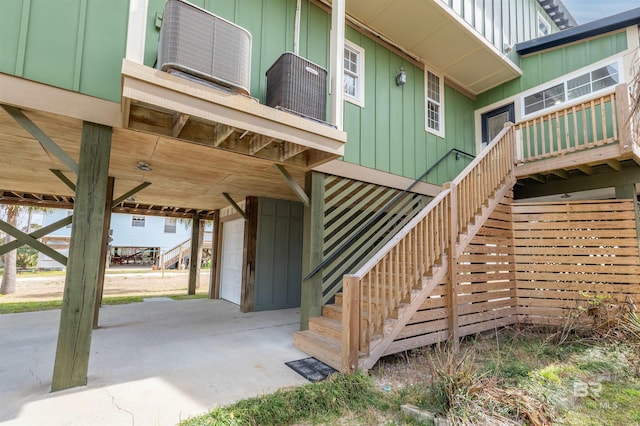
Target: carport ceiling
x,y
183,174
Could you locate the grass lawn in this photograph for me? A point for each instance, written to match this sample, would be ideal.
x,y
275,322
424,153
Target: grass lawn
x,y
17,307
514,377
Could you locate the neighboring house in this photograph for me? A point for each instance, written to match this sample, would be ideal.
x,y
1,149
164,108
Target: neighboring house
x,y
136,240
304,177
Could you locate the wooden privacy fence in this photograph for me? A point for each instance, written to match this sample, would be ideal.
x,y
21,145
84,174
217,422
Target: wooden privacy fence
x,y
589,124
567,253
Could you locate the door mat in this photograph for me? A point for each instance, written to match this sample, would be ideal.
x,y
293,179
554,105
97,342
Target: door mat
x,y
311,369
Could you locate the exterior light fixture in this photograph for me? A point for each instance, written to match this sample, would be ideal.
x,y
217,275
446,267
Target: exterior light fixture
x,y
401,77
143,167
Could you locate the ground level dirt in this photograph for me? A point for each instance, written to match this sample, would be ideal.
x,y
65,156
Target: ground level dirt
x,y
134,283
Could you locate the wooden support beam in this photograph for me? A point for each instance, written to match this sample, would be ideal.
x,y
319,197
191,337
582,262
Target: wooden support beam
x,y
222,133
587,170
615,165
22,238
293,184
78,304
36,234
601,178
41,137
235,205
214,272
108,206
257,142
64,179
291,150
179,122
130,193
562,174
538,178
196,246
312,249
249,255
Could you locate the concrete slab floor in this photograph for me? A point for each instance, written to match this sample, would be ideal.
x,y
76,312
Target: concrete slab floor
x,y
152,363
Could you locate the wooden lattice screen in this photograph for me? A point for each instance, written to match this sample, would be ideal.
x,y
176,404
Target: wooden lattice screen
x,y
349,204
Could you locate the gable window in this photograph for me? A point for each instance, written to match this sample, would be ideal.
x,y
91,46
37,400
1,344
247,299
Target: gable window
x,y
543,26
572,88
353,80
169,225
434,101
138,221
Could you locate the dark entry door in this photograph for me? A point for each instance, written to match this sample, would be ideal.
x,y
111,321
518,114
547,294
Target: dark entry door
x,y
493,122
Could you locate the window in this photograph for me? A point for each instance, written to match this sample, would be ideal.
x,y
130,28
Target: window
x,y
573,88
138,221
169,225
434,103
353,73
543,26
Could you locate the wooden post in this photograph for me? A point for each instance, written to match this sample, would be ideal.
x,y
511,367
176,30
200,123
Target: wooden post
x,y
623,111
214,272
452,294
629,191
250,252
78,304
194,266
105,249
312,247
350,324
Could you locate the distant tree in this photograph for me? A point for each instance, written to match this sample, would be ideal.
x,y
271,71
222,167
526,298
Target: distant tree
x,y
8,284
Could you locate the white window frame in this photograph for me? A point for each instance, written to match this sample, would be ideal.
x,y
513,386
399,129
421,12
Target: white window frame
x,y
138,219
565,79
359,51
546,23
438,132
170,222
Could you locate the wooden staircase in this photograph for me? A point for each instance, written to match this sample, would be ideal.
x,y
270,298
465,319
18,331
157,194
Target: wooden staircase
x,y
378,301
174,255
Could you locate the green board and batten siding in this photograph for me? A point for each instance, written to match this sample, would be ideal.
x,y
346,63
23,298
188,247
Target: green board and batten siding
x,y
388,134
62,43
548,65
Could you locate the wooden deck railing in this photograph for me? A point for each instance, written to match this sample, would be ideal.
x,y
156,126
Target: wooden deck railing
x,y
480,179
376,291
590,124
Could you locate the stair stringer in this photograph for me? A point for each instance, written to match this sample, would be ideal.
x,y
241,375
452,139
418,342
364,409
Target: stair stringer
x,y
405,314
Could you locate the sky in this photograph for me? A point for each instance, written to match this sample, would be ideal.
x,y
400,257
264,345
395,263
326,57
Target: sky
x,y
584,11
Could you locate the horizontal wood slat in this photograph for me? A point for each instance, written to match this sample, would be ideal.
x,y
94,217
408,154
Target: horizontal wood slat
x,y
568,252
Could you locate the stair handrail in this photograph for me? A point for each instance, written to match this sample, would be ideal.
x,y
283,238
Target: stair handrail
x,y
177,249
494,164
355,235
429,235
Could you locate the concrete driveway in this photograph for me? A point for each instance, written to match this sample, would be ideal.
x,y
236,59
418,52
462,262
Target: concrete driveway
x,y
152,363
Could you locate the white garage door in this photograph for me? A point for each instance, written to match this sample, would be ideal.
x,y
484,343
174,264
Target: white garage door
x,y
231,268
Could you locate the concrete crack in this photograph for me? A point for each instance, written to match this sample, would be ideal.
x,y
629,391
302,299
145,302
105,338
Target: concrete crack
x,y
115,404
35,376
